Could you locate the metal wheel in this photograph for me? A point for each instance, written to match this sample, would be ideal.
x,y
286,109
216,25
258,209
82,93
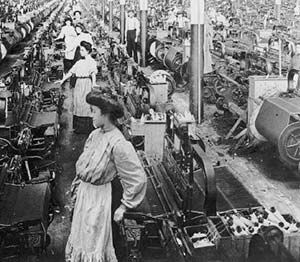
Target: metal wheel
x,y
222,88
170,80
289,144
221,103
209,94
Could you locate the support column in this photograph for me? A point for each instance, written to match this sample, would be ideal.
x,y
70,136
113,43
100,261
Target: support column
x,y
277,9
110,15
234,6
122,20
197,59
194,77
103,9
297,8
201,61
143,8
279,56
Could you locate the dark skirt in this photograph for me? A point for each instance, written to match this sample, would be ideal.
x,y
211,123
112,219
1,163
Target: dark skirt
x,y
82,125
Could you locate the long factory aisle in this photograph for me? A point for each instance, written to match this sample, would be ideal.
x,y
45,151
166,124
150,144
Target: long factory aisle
x,y
69,148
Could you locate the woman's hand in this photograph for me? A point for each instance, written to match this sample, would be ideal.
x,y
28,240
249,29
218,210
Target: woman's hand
x,y
60,82
98,87
72,205
119,213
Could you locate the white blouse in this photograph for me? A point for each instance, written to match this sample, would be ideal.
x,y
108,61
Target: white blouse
x,y
69,35
84,67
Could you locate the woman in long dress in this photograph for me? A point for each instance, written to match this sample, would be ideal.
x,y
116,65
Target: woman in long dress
x,y
69,35
107,155
85,71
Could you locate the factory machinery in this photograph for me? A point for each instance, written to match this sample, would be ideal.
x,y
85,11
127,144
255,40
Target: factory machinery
x,y
192,211
243,56
255,78
15,32
29,112
195,210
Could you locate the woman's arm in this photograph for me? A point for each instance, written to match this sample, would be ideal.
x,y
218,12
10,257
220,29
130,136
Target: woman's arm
x,y
66,76
137,26
80,165
132,174
69,74
61,34
93,75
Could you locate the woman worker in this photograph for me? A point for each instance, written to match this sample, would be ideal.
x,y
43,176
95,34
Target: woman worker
x,y
82,35
69,35
106,155
85,71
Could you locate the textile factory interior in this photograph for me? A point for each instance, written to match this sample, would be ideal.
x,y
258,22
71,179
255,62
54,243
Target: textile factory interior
x,y
150,130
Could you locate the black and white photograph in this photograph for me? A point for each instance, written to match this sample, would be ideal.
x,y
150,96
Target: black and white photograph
x,y
149,130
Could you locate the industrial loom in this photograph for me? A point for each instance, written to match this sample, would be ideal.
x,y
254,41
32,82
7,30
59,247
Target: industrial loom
x,y
29,112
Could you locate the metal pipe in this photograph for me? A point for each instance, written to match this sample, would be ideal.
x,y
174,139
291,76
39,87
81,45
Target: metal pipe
x,y
110,15
143,8
122,20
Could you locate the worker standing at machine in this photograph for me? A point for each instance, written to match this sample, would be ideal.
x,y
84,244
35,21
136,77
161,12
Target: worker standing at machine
x,y
295,58
69,35
170,23
152,18
106,155
85,71
180,24
132,30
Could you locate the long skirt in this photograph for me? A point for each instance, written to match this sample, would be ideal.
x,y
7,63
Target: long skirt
x,y
90,239
82,121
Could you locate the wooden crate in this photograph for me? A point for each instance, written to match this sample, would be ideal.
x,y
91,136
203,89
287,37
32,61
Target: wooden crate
x,y
231,248
292,241
202,253
236,249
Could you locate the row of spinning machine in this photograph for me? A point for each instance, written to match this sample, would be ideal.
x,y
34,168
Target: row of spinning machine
x,y
29,112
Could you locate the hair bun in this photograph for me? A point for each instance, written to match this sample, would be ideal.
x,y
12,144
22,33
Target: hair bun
x,y
106,102
87,46
118,111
